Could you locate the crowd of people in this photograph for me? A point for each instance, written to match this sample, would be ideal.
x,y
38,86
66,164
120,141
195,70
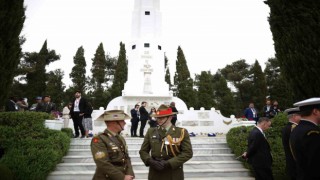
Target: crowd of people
x,y
166,147
79,110
41,104
300,140
269,111
140,114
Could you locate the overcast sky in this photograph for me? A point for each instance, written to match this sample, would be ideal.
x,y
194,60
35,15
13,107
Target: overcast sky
x,y
211,33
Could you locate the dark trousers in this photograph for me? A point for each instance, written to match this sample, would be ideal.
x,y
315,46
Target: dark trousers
x,y
142,125
134,127
77,123
263,173
173,121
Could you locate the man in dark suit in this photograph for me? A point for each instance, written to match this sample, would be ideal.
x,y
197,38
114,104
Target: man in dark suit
x,y
251,113
267,110
305,140
134,120
174,109
46,105
144,116
294,118
258,152
78,108
11,104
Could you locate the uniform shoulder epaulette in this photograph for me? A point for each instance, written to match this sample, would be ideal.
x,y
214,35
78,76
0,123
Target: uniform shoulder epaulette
x,y
313,132
293,126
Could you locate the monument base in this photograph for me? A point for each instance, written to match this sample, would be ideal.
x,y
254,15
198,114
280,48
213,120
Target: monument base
x,y
200,122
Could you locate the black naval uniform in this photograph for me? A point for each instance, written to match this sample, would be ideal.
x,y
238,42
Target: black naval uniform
x,y
305,146
290,163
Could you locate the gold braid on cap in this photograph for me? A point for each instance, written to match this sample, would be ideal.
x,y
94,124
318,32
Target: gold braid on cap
x,y
175,143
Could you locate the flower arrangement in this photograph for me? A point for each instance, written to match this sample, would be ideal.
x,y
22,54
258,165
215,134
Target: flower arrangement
x,y
242,119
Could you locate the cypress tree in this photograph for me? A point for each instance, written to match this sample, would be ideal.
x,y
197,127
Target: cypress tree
x,y
295,29
223,96
12,17
238,74
98,69
78,72
183,81
205,94
278,88
55,87
121,73
259,86
98,80
35,65
167,77
111,68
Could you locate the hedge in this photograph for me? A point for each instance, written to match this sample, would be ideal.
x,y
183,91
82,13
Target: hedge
x,y
31,150
237,141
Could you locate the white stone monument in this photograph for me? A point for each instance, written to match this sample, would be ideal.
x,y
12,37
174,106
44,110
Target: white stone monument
x,y
146,76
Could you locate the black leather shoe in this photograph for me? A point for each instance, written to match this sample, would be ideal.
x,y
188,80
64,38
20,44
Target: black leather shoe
x,y
76,136
83,136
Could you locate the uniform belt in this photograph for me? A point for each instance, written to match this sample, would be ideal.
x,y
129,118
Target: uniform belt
x,y
161,158
118,163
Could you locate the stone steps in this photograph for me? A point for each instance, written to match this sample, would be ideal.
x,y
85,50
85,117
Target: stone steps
x,y
143,174
81,145
199,139
212,159
141,166
136,158
80,152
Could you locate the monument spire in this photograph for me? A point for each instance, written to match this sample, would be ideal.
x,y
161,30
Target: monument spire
x,y
146,67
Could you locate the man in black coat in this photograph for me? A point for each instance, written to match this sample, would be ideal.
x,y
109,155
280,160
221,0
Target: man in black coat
x,y
134,120
174,109
305,140
78,108
144,116
294,118
11,104
46,105
258,152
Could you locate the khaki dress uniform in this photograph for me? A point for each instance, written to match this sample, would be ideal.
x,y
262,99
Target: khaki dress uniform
x,y
173,146
110,151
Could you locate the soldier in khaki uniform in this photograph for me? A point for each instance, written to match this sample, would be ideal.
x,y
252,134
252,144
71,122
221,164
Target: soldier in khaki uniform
x,y
170,147
109,149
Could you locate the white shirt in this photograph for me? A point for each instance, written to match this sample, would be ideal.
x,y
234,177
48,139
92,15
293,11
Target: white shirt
x,y
254,112
76,105
261,131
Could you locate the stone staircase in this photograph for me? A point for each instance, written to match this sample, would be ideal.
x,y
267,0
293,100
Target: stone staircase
x,y
212,159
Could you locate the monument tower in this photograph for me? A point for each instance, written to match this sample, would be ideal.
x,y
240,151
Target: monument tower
x,y
146,64
146,77
146,68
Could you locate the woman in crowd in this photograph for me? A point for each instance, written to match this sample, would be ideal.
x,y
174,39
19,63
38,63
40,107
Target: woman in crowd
x,y
66,114
152,120
87,119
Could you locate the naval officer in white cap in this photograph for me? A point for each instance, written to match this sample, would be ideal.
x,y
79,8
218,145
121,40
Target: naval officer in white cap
x,y
294,119
305,140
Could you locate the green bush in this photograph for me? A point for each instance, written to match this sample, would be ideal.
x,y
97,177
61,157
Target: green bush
x,y
31,150
5,172
237,141
68,131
